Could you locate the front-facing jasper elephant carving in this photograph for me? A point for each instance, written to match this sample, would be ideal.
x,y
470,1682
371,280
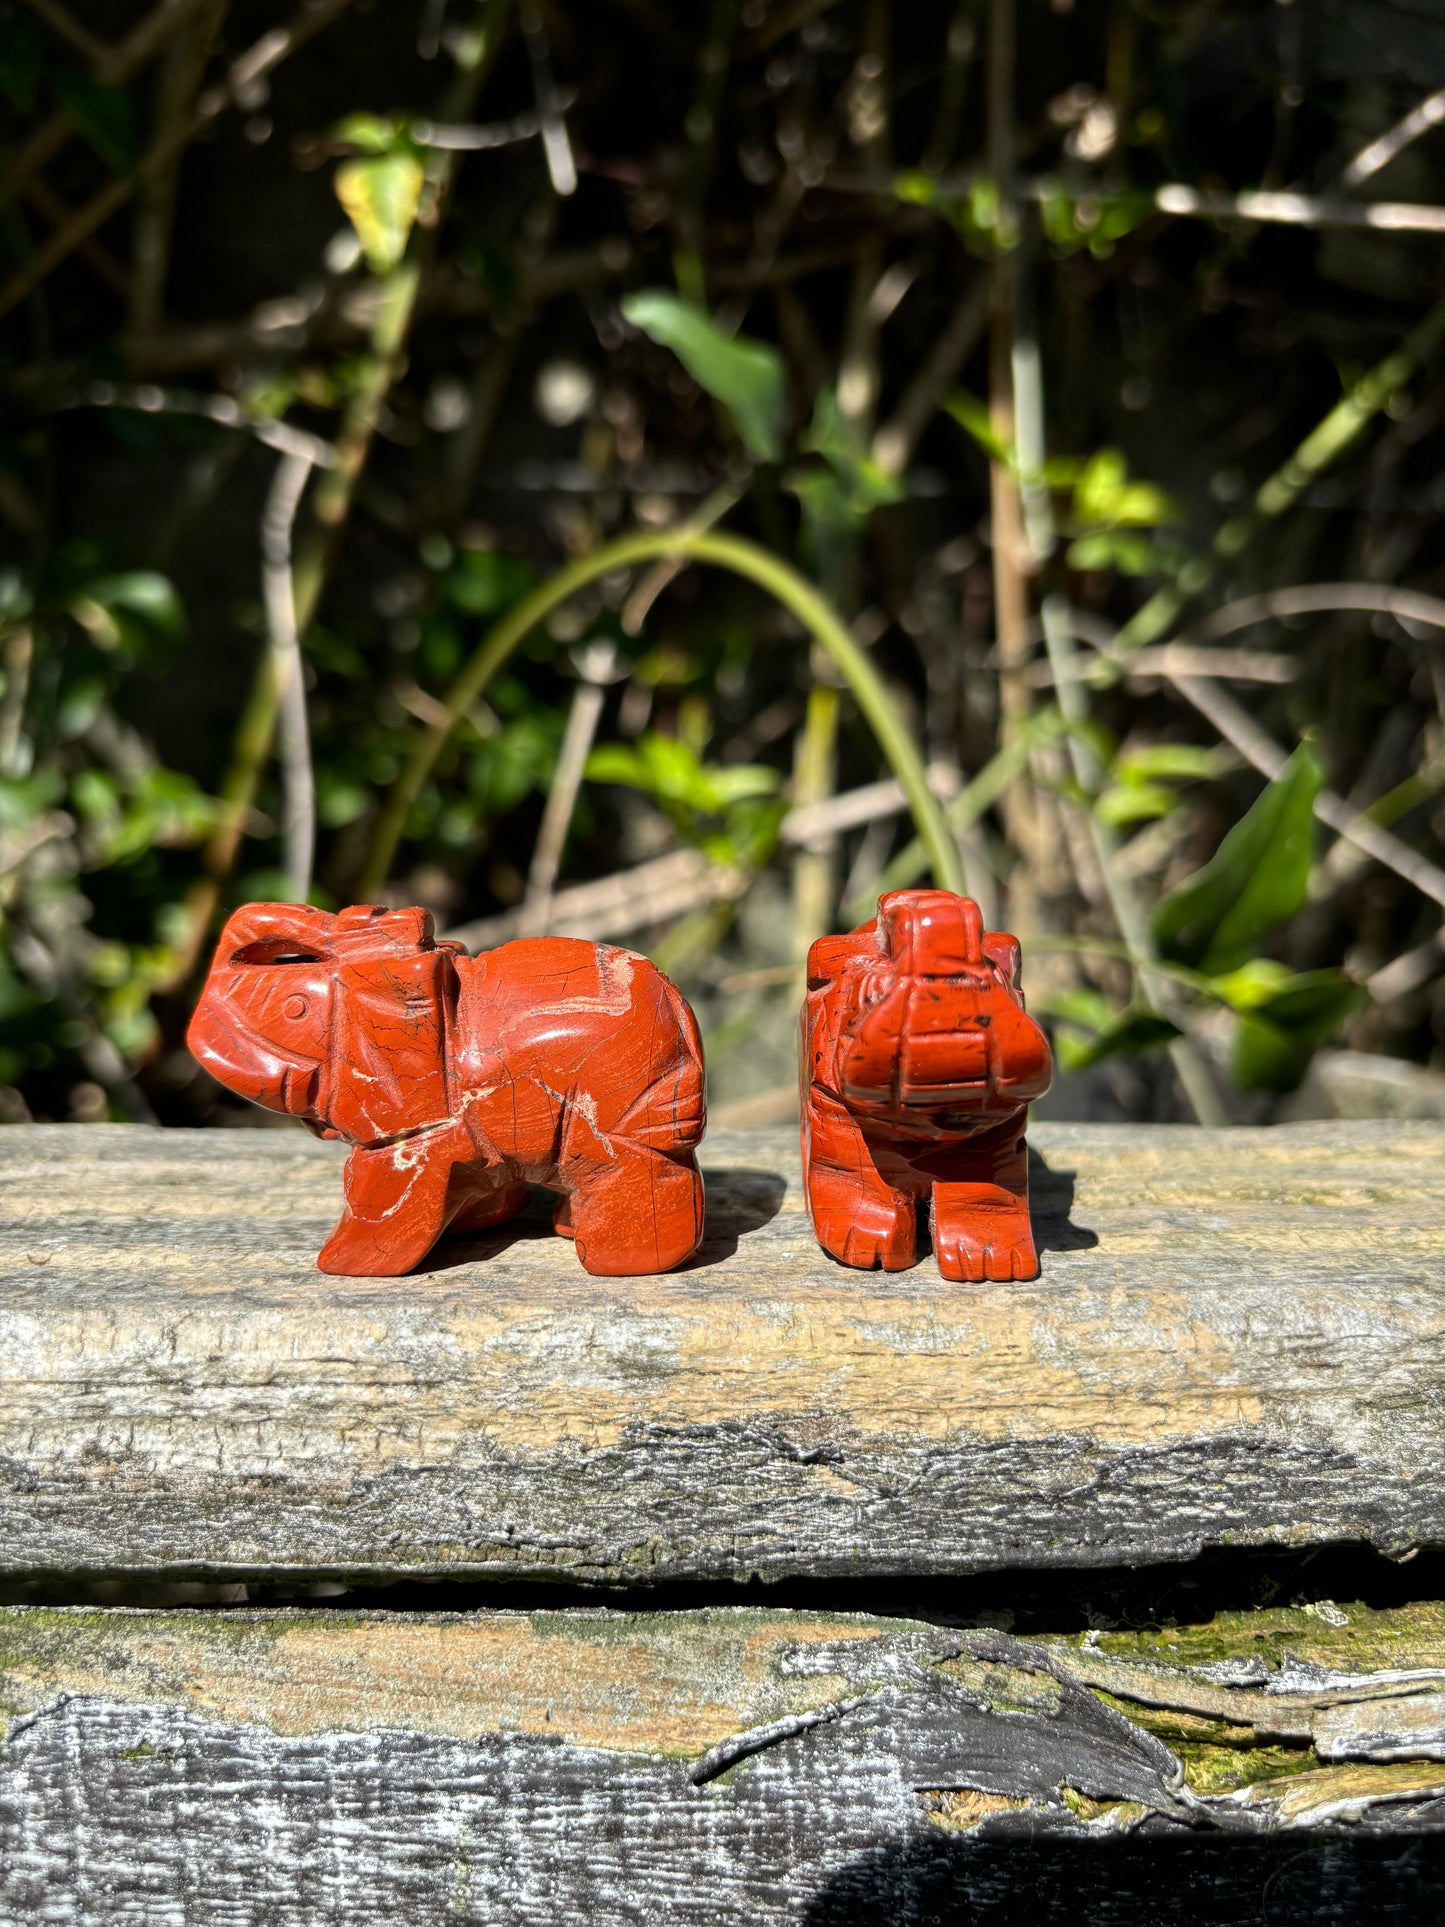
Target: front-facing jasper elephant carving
x,y
917,1062
458,1080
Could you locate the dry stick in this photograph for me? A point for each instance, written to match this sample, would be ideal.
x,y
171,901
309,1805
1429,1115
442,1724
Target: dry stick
x,y
1323,598
181,73
298,781
264,55
896,440
49,204
1300,210
561,167
61,21
595,667
221,409
1380,152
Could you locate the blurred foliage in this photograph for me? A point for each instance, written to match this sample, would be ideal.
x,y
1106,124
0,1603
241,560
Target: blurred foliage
x,y
514,293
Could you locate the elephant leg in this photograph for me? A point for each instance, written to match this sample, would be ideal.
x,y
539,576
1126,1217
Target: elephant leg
x,y
640,1212
858,1217
980,1210
396,1206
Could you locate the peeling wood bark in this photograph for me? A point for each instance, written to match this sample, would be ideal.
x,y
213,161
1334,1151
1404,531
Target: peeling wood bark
x,y
1238,1337
313,1767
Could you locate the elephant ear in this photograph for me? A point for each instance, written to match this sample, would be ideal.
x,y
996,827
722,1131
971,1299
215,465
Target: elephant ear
x,y
386,1069
266,933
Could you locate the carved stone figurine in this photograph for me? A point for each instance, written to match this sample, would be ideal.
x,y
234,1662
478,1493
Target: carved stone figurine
x,y
457,1079
917,1061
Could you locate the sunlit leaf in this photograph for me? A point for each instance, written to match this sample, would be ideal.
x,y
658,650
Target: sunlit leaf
x,y
1274,1042
1179,762
1124,803
1120,549
380,198
746,376
1254,882
371,133
972,416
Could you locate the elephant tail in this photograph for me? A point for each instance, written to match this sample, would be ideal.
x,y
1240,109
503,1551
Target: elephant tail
x,y
670,1114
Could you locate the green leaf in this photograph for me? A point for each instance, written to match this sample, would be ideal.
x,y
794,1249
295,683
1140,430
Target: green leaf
x,y
144,594
1176,762
972,416
1118,549
1274,1042
370,133
380,198
1254,882
1124,803
1131,1032
865,484
746,376
1104,493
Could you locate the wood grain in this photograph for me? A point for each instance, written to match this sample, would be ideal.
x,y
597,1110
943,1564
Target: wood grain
x,y
281,1768
1237,1338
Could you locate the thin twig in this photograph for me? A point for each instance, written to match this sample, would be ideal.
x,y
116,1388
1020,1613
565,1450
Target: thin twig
x,y
1184,659
471,139
149,399
561,166
181,73
62,22
1323,598
1381,151
1300,210
896,440
595,670
298,781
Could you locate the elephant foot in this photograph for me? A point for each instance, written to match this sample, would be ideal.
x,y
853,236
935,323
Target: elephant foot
x,y
641,1213
982,1232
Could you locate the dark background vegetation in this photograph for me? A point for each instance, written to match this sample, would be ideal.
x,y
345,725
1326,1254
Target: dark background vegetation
x,y
231,241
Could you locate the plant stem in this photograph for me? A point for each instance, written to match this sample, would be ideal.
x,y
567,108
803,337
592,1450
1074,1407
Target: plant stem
x,y
743,558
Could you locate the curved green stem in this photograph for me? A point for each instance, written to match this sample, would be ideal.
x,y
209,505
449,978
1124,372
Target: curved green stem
x,y
725,552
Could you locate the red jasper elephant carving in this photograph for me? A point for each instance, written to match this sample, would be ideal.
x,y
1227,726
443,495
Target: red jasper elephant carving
x,y
917,1062
458,1079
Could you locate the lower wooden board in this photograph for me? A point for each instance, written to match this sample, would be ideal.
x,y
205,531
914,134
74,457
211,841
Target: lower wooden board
x,y
1238,1338
295,1769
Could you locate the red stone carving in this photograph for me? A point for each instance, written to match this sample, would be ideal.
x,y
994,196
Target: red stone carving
x,y
917,1062
457,1080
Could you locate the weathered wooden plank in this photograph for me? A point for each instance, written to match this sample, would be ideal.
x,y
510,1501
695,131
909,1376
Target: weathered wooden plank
x,y
316,1767
1237,1338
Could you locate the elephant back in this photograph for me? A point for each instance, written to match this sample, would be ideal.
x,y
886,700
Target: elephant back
x,y
544,1022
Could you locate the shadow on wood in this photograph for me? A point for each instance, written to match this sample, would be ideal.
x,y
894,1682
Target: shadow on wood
x,y
1189,1882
